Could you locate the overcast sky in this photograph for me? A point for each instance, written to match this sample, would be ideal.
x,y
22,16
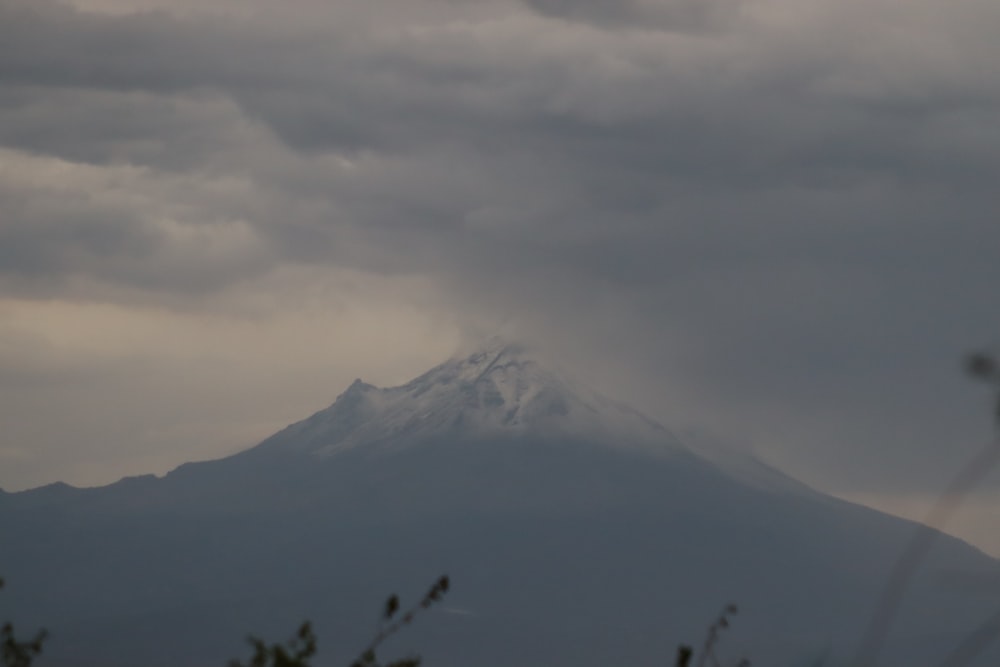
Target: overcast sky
x,y
776,222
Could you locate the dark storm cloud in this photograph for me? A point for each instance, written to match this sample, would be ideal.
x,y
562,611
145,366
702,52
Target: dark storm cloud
x,y
786,209
171,132
49,43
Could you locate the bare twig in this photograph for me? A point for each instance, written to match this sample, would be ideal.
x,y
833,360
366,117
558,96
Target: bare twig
x,y
983,367
720,624
436,592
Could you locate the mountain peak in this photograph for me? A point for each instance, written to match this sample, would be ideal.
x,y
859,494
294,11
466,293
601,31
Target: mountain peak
x,y
359,386
492,353
498,365
496,389
492,345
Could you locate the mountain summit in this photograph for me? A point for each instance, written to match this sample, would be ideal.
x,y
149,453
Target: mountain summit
x,y
499,389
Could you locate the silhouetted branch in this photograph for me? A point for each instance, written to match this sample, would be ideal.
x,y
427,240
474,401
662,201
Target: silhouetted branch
x,y
711,638
16,653
982,367
296,651
367,657
293,654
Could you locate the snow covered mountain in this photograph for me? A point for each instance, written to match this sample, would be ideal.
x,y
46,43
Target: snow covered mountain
x,y
498,390
575,530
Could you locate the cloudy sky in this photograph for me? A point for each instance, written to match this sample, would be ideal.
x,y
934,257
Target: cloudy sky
x,y
776,222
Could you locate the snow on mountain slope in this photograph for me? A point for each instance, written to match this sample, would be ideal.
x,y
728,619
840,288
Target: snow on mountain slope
x,y
499,389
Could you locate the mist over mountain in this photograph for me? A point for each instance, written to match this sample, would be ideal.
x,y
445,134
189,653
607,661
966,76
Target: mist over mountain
x,y
575,531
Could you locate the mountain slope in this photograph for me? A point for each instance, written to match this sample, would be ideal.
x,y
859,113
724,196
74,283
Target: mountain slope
x,y
575,530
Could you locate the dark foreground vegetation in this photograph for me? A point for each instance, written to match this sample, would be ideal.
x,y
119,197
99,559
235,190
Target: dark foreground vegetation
x,y
297,651
15,652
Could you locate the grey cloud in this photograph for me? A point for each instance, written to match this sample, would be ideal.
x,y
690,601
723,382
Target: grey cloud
x,y
168,132
675,15
41,236
62,222
410,89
